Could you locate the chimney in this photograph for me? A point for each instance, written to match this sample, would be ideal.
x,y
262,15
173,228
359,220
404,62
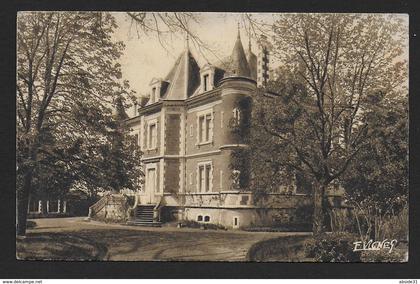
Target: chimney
x,y
263,60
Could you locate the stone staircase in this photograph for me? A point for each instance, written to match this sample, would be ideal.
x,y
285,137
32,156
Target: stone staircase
x,y
144,216
111,207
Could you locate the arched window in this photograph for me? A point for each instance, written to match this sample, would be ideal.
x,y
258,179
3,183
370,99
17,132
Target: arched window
x,y
199,218
207,219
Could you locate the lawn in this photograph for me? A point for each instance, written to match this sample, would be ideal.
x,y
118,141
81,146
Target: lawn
x,y
74,239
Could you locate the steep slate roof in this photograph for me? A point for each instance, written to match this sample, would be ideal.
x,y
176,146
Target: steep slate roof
x,y
184,77
238,64
183,80
252,61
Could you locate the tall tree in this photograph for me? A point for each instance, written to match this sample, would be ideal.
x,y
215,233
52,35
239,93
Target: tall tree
x,y
68,77
331,65
377,184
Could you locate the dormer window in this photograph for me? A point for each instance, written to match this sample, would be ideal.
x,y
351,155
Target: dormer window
x,y
157,89
207,78
206,82
153,98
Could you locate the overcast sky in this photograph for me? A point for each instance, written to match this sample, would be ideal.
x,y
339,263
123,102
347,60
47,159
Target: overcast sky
x,y
144,58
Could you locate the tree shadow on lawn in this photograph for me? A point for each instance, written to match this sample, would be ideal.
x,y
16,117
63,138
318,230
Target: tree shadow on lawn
x,y
164,246
58,246
282,249
127,242
106,243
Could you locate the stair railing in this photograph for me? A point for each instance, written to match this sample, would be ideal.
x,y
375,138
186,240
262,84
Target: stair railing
x,y
99,205
156,215
131,210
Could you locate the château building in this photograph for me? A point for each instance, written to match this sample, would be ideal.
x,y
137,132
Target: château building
x,y
185,133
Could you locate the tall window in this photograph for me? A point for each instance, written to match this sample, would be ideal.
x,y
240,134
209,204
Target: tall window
x,y
153,98
205,128
206,82
207,180
136,139
204,177
152,136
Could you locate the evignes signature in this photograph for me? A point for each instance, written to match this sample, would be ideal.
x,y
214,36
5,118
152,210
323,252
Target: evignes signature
x,y
375,245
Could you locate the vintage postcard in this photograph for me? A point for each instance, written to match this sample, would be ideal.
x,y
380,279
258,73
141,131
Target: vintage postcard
x,y
181,136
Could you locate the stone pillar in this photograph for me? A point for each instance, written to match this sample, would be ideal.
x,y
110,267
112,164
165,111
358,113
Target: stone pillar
x,y
39,206
48,206
58,205
64,206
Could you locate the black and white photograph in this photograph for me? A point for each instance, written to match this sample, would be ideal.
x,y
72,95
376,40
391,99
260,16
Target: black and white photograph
x,y
212,136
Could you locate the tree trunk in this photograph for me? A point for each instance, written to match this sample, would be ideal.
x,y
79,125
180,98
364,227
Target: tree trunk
x,y
318,225
23,203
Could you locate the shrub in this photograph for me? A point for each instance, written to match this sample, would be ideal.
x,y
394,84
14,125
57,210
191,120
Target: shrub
x,y
396,227
280,228
384,256
334,247
30,224
195,224
304,212
286,248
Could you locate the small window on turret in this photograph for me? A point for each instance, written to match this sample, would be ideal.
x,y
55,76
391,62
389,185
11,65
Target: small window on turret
x,y
237,115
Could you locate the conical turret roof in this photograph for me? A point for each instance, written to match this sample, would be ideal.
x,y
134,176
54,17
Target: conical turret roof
x,y
238,65
252,61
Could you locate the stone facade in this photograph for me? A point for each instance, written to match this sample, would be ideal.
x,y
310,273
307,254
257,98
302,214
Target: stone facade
x,y
185,133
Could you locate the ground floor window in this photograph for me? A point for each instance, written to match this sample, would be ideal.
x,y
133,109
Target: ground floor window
x,y
201,218
205,174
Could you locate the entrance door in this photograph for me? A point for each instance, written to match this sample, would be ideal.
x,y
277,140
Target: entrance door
x,y
150,184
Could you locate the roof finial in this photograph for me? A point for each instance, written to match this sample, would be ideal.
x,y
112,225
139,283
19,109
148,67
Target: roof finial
x,y
249,37
187,45
239,33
